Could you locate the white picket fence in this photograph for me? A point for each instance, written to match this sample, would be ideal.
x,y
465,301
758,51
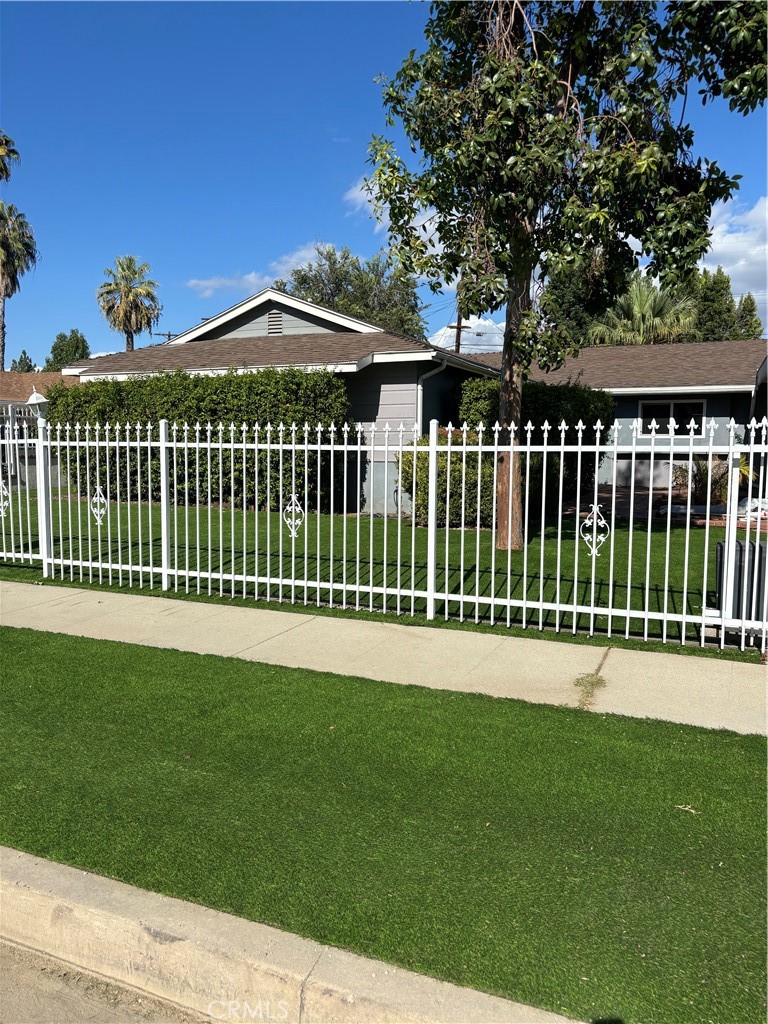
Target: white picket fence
x,y
379,519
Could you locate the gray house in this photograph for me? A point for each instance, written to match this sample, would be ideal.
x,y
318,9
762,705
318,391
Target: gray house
x,y
705,382
390,378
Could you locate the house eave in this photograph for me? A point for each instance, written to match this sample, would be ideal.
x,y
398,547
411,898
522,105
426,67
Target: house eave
x,y
686,389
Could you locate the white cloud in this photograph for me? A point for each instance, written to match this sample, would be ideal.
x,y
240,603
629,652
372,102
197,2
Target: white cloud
x,y
253,282
478,334
740,246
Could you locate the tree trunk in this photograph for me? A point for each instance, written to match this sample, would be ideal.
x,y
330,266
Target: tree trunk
x,y
509,529
2,332
129,341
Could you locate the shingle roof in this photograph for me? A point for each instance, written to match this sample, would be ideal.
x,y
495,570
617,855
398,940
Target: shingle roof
x,y
275,350
706,364
17,387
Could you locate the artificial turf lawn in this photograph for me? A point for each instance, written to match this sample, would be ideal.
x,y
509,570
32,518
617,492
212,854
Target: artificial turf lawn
x,y
534,852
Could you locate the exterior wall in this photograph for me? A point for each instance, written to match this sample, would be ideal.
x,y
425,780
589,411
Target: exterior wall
x,y
254,325
388,393
718,407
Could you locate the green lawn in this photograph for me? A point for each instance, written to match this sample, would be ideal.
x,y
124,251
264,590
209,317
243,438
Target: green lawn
x,y
540,853
246,546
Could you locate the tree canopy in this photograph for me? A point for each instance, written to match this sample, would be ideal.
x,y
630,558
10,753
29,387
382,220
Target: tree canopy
x,y
372,290
67,349
128,299
18,255
23,364
545,133
643,315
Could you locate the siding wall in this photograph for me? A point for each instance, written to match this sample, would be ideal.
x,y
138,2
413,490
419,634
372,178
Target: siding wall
x,y
254,325
720,408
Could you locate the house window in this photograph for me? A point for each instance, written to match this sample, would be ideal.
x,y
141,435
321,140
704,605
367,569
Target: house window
x,y
681,411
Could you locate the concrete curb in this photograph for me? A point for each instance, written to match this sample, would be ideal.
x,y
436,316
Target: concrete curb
x,y
222,966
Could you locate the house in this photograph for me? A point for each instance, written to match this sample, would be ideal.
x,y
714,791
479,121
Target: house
x,y
704,382
390,378
17,388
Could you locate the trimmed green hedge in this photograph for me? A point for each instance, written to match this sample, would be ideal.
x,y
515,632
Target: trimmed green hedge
x,y
268,396
291,396
551,402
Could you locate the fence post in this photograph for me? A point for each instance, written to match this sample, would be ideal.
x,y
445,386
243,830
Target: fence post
x,y
432,520
42,479
731,535
165,509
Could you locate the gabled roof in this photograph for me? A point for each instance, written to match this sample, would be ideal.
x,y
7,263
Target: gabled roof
x,y
17,387
635,369
345,352
263,297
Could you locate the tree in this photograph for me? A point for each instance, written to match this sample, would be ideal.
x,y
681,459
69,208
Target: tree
x,y
67,349
23,364
128,300
18,254
748,323
644,315
715,307
573,298
544,131
373,290
8,155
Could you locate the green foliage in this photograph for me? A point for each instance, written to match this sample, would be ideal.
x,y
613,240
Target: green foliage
x,y
128,300
67,349
18,255
715,307
748,322
373,290
574,296
544,130
644,315
553,403
450,503
268,397
23,364
9,156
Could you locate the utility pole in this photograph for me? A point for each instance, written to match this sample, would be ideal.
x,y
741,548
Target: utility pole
x,y
167,334
457,325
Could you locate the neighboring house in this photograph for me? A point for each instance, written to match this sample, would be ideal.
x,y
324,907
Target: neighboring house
x,y
390,378
17,459
16,389
704,382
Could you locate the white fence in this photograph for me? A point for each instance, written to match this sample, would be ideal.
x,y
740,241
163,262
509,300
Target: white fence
x,y
286,513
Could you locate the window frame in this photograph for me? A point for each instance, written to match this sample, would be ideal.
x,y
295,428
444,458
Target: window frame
x,y
672,402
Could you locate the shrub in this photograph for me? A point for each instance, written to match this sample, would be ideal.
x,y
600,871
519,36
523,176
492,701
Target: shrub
x,y
268,396
552,402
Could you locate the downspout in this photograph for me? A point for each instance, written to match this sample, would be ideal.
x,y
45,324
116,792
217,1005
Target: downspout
x,y
420,392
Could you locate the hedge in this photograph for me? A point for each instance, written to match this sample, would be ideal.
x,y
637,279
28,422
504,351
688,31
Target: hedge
x,y
480,404
551,402
268,396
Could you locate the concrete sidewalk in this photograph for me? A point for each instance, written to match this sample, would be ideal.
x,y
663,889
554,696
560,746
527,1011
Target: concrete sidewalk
x,y
709,692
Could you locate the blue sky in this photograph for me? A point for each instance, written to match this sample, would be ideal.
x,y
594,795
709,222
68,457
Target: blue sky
x,y
220,141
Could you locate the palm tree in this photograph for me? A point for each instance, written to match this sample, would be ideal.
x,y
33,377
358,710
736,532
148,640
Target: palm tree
x,y
18,254
128,300
8,155
644,315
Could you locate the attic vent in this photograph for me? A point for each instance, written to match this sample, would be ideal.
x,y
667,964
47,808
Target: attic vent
x,y
275,321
